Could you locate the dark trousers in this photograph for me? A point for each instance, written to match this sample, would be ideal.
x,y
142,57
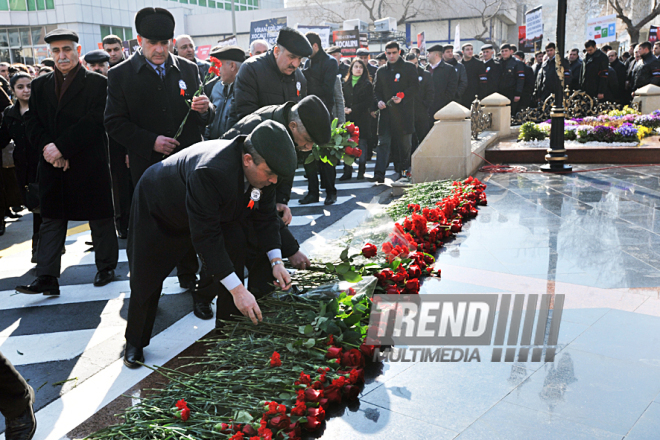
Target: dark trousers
x,y
422,128
402,156
51,240
14,390
328,175
36,226
122,190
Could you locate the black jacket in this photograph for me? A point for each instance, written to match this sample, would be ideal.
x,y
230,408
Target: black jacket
x,y
462,79
426,92
321,72
512,79
445,81
612,85
593,80
193,194
530,84
548,81
75,126
142,107
620,70
493,74
26,158
360,99
259,83
477,81
576,74
391,79
647,71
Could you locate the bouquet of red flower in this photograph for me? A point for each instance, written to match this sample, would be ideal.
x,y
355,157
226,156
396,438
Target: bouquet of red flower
x,y
214,71
343,144
389,103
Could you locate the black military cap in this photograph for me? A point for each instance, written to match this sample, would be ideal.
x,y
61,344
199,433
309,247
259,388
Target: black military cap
x,y
97,56
316,119
381,56
228,53
48,62
294,42
155,24
505,46
436,48
61,35
271,140
447,46
361,52
487,46
333,49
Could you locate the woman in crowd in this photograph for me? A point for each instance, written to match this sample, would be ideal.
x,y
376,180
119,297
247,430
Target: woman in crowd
x,y
359,101
26,158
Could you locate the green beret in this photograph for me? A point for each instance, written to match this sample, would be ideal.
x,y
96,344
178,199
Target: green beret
x,y
271,140
315,118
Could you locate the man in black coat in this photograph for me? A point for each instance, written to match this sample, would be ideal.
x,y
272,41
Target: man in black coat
x,y
396,122
206,194
445,81
547,82
512,79
335,52
477,80
620,71
65,123
575,64
363,54
593,80
647,70
147,102
273,77
493,69
448,57
423,101
530,82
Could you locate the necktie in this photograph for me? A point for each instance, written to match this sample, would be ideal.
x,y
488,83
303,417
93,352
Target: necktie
x,y
161,71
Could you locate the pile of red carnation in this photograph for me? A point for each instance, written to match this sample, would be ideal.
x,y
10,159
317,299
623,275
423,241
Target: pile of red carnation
x,y
354,131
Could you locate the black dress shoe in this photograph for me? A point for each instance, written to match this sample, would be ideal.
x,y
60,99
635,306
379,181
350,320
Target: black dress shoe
x,y
377,179
188,282
133,355
202,310
24,426
330,199
45,284
308,199
104,277
345,177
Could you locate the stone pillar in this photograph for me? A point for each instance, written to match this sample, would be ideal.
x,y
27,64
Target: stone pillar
x,y
500,108
445,151
649,96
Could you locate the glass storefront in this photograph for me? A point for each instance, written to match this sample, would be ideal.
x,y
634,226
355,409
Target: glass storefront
x,y
24,44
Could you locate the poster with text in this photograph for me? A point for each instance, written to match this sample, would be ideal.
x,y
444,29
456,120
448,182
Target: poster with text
x,y
421,43
266,29
202,52
533,29
323,31
522,38
602,29
348,41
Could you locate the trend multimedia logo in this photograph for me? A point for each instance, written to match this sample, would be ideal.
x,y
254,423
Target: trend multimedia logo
x,y
524,324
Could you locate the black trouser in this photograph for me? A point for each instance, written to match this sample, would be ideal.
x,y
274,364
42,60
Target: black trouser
x,y
387,148
14,390
52,235
36,226
328,174
421,128
122,190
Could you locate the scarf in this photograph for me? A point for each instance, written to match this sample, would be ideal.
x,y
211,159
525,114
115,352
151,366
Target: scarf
x,y
62,83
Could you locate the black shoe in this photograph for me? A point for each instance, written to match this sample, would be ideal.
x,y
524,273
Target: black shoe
x,y
377,179
360,176
345,177
330,199
202,309
104,277
308,199
122,234
188,282
45,284
9,213
133,355
24,426
34,256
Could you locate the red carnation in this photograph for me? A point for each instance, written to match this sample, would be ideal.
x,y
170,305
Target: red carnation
x,y
357,152
400,95
185,414
299,409
275,360
369,250
350,128
181,404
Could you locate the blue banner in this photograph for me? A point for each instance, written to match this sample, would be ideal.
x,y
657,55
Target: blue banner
x,y
266,29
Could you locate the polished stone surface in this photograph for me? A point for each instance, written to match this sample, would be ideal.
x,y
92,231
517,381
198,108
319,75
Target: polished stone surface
x,y
593,237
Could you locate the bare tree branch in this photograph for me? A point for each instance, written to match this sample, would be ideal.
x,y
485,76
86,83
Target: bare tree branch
x,y
623,12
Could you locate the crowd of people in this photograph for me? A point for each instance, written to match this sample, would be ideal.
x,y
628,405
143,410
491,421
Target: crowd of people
x,y
130,146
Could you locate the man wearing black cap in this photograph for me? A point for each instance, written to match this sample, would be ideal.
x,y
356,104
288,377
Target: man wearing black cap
x,y
477,80
363,54
273,77
65,124
206,194
113,45
547,80
335,52
382,59
148,100
221,89
448,57
493,69
98,61
512,79
530,82
445,80
423,101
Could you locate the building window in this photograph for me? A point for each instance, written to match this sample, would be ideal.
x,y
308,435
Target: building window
x,y
202,2
124,33
17,5
211,3
50,4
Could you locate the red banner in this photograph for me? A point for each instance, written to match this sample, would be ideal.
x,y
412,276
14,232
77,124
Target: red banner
x,y
202,52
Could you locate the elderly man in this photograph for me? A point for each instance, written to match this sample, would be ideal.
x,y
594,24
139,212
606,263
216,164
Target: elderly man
x,y
207,194
113,45
335,52
65,123
363,54
98,61
221,89
185,47
273,78
257,47
148,100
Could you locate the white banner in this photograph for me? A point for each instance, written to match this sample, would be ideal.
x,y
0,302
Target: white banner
x,y
323,31
534,28
602,29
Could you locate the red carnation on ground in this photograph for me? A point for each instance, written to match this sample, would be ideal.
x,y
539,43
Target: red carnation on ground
x,y
185,414
275,360
181,404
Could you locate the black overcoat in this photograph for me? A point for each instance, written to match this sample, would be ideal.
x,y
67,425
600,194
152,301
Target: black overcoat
x,y
191,196
593,77
259,83
142,107
360,99
445,81
547,80
477,81
391,79
321,72
493,76
75,126
26,158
